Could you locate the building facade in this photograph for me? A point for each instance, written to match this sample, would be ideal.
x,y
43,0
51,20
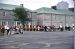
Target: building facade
x,y
42,16
48,17
7,16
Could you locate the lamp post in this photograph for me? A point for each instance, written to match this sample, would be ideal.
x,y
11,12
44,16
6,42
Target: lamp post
x,y
31,18
74,23
65,20
74,15
51,19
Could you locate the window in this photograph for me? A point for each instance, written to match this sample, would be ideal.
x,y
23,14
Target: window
x,y
3,23
4,13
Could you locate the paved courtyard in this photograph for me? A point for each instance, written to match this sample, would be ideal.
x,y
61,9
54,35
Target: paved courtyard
x,y
38,40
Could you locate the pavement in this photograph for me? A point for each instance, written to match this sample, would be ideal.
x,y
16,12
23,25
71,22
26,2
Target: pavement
x,y
38,40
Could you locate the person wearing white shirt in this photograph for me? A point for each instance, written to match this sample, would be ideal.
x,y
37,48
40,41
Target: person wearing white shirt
x,y
7,29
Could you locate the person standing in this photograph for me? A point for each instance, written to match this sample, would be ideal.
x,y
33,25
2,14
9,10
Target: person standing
x,y
38,28
2,30
7,29
45,28
61,28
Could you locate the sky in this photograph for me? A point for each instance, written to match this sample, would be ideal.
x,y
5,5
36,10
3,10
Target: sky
x,y
35,4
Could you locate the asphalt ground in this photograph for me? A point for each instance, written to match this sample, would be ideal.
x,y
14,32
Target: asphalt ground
x,y
38,40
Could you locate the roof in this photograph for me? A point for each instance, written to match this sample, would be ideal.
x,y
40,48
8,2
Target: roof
x,y
66,12
50,10
9,6
40,10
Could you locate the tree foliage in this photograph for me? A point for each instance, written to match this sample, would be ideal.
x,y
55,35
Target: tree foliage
x,y
21,14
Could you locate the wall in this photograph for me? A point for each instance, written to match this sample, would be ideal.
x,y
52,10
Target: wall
x,y
55,19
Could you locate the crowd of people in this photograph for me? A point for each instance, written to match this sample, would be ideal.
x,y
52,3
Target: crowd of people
x,y
6,29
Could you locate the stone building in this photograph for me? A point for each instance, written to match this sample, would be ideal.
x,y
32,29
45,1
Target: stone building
x,y
61,15
6,14
42,16
49,16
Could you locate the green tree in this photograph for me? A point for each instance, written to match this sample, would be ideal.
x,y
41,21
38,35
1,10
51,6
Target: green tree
x,y
21,14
